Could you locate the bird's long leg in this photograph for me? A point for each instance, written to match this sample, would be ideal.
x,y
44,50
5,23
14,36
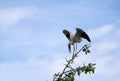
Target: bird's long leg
x,y
76,48
73,48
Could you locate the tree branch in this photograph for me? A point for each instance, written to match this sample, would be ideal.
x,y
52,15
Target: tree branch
x,y
71,72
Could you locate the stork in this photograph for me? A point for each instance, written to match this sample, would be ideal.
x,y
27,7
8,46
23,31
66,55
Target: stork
x,y
76,38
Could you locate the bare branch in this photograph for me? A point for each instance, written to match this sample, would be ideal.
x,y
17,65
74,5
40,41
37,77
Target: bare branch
x,y
68,71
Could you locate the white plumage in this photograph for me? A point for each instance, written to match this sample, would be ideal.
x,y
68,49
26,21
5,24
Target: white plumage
x,y
76,38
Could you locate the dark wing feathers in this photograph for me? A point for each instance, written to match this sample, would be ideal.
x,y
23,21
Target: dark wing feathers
x,y
82,34
79,33
67,34
85,36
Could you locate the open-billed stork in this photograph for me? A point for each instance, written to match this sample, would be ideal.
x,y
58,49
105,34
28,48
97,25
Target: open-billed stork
x,y
75,38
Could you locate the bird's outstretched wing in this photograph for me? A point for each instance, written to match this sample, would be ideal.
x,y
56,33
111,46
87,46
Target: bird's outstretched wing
x,y
81,33
67,34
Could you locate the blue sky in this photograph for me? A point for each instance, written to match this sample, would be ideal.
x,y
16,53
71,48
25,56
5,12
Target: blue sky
x,y
33,47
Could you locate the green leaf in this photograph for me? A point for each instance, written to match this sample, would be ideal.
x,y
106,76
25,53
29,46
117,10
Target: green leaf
x,y
88,51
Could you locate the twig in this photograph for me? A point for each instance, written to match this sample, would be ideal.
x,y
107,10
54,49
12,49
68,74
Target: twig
x,y
69,62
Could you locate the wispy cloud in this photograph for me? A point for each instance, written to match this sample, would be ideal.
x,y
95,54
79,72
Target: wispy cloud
x,y
32,69
107,45
101,31
10,16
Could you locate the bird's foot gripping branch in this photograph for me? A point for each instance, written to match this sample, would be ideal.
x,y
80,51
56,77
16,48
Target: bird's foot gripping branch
x,y
69,73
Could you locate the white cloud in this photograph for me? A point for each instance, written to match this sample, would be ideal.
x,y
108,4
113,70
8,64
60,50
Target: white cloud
x,y
107,45
31,70
10,16
100,31
105,38
104,67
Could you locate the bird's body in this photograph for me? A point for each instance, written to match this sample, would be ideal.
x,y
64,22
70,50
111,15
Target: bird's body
x,y
76,38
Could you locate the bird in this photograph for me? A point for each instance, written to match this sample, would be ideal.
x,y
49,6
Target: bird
x,y
75,38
